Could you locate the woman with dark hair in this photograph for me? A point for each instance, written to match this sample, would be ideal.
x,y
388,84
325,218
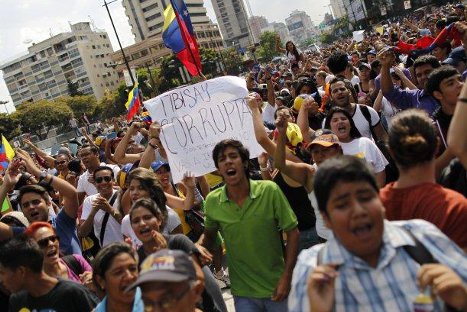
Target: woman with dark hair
x,y
72,267
413,143
292,53
341,123
143,183
115,268
146,218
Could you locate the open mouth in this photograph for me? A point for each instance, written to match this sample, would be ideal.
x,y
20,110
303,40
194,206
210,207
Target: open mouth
x,y
145,231
363,231
231,172
34,214
51,253
341,129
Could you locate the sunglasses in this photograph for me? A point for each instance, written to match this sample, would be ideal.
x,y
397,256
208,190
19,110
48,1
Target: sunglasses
x,y
43,243
105,179
60,162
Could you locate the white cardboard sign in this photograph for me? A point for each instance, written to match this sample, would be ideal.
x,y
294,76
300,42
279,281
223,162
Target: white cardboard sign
x,y
195,118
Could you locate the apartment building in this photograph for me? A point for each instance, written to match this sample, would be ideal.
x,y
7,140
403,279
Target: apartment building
x,y
81,56
233,22
146,17
300,26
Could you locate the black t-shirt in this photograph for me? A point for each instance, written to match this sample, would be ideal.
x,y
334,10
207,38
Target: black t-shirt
x,y
174,242
66,296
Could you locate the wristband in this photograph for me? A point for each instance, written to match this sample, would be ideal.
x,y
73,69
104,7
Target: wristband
x,y
51,180
153,146
463,100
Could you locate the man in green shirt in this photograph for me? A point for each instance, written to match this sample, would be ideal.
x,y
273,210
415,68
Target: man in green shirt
x,y
251,215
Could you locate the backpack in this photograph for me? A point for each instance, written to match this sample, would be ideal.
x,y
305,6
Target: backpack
x,y
392,173
73,264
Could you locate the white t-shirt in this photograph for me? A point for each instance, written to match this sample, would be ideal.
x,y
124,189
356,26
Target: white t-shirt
x,y
388,110
112,229
84,186
268,113
321,228
366,149
355,80
172,222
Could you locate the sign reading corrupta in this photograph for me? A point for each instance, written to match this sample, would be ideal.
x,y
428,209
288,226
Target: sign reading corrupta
x,y
195,118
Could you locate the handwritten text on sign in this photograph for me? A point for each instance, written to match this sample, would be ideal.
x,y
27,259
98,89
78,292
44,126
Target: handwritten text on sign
x,y
195,118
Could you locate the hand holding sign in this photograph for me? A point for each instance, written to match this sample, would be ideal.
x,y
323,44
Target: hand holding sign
x,y
194,118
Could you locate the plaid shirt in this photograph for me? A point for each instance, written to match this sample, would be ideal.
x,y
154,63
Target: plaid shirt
x,y
391,286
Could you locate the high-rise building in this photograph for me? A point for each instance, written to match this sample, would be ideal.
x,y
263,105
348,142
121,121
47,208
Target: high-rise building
x,y
44,72
233,22
257,23
280,29
300,26
146,17
338,8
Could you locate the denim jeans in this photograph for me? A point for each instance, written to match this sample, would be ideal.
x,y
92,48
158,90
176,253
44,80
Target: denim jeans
x,y
247,304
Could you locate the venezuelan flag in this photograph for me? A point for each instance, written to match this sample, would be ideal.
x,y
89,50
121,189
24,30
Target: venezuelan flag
x,y
134,103
178,35
6,153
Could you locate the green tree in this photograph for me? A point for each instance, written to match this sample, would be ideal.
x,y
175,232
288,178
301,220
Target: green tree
x,y
209,60
9,125
233,61
169,74
80,104
112,104
267,48
73,88
39,117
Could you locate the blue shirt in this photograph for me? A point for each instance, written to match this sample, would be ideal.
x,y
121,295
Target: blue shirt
x,y
404,99
392,285
66,230
138,305
65,226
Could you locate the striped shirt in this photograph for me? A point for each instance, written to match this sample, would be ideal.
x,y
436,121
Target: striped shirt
x,y
391,286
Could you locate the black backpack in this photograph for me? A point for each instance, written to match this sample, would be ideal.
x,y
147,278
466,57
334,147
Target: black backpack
x,y
392,173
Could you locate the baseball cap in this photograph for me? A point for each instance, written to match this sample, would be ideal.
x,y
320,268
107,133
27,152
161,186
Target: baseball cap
x,y
456,55
324,137
158,164
166,266
14,216
284,90
99,140
460,6
373,52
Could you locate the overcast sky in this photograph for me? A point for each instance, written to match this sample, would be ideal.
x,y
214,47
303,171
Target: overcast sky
x,y
26,21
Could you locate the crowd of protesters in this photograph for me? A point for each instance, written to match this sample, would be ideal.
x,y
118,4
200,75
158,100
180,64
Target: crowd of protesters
x,y
357,203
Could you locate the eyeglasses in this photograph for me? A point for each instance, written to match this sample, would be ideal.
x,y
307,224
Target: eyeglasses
x,y
43,243
62,162
165,303
106,179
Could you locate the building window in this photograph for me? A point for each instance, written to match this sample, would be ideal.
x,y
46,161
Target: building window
x,y
152,6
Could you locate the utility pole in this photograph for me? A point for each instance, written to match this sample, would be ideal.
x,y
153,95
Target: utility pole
x,y
118,39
